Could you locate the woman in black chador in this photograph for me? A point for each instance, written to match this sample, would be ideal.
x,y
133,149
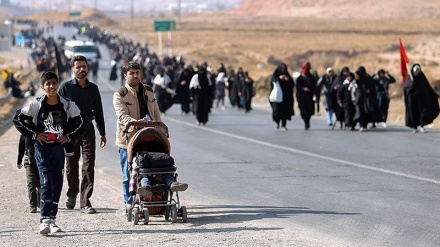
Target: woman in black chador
x,y
305,92
367,106
182,89
421,102
201,94
283,111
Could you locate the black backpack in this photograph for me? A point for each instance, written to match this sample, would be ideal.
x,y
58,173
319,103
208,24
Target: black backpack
x,y
147,159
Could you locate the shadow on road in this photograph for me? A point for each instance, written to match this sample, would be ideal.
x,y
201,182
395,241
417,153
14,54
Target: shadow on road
x,y
201,215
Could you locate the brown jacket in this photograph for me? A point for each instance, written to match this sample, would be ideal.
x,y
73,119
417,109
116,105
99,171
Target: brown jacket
x,y
126,107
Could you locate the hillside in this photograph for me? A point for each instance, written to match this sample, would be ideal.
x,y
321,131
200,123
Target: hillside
x,y
354,9
89,15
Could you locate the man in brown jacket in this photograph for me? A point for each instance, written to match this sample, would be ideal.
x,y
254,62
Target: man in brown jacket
x,y
133,101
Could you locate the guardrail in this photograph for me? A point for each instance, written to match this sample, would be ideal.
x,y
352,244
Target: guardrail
x,y
8,96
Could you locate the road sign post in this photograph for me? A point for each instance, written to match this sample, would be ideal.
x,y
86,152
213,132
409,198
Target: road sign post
x,y
165,26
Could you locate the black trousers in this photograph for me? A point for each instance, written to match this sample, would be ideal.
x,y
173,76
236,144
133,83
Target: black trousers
x,y
85,146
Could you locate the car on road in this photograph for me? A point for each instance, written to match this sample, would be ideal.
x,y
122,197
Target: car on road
x,y
87,49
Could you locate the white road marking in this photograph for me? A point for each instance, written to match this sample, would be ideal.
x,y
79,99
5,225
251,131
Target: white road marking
x,y
297,151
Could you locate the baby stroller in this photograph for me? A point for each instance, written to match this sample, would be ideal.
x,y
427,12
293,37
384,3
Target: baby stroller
x,y
152,138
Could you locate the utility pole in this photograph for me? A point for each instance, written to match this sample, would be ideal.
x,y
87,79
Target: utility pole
x,y
179,10
132,12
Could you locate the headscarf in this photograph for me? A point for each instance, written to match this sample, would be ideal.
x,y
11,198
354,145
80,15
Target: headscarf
x,y
276,74
305,68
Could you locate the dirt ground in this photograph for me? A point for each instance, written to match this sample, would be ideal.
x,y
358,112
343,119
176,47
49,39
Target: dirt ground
x,y
108,227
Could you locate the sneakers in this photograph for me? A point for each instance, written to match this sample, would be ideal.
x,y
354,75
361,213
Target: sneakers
x,y
88,210
283,128
70,203
32,209
176,186
422,130
45,226
53,227
145,192
362,129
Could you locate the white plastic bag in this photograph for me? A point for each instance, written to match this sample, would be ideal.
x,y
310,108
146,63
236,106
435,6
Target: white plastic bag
x,y
276,95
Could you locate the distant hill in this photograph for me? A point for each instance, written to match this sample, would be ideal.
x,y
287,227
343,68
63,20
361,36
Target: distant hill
x,y
356,9
88,15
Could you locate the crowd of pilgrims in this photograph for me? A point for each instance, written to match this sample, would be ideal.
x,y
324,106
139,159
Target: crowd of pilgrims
x,y
197,87
352,98
349,97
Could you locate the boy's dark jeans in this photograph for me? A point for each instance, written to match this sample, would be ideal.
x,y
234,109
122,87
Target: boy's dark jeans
x,y
50,163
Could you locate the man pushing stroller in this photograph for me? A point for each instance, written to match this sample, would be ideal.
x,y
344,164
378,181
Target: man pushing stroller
x,y
135,101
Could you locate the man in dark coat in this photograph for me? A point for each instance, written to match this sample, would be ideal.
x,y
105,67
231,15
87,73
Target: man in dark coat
x,y
421,102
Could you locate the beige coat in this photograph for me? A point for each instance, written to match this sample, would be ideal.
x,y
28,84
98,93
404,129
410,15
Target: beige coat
x,y
126,107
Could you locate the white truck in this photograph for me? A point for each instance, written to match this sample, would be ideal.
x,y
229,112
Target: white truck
x,y
87,49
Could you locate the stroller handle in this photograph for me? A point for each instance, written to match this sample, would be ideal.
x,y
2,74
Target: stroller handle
x,y
144,123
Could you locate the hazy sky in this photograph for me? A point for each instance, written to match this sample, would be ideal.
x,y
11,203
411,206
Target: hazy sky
x,y
140,5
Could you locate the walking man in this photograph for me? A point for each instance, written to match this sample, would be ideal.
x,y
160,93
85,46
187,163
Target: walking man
x,y
133,101
87,97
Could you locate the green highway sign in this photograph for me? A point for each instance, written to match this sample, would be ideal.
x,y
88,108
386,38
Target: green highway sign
x,y
75,13
165,25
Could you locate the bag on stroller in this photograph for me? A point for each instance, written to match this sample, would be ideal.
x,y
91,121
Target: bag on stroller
x,y
147,159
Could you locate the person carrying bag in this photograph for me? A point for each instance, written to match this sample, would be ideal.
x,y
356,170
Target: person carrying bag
x,y
276,95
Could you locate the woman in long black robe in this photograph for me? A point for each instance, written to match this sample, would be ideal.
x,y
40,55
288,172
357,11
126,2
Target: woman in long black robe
x,y
247,92
238,87
201,93
305,92
367,106
283,111
421,102
182,89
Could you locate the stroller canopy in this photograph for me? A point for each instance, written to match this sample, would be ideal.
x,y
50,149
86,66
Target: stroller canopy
x,y
153,138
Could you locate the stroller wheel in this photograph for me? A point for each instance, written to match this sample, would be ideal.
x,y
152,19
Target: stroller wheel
x,y
184,214
167,213
129,214
135,215
146,216
173,214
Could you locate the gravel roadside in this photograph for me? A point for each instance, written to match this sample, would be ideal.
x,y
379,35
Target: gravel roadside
x,y
206,226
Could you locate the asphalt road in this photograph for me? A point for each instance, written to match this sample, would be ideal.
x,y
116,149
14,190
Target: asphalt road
x,y
378,188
